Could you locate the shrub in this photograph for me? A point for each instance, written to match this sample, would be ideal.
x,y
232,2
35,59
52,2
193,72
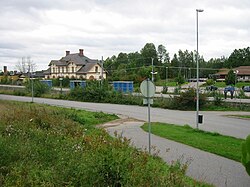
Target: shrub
x,y
187,100
245,160
47,146
39,88
209,82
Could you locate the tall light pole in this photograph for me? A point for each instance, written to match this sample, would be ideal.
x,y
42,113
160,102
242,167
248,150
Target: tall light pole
x,y
152,69
197,71
153,73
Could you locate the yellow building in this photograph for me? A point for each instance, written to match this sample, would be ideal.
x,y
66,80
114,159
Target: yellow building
x,y
76,66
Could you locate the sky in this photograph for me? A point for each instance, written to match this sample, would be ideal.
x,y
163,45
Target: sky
x,y
44,29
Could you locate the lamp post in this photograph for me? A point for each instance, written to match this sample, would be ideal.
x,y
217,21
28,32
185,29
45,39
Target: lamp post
x,y
197,71
236,73
166,75
153,73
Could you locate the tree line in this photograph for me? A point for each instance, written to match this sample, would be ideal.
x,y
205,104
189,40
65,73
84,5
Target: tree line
x,y
137,66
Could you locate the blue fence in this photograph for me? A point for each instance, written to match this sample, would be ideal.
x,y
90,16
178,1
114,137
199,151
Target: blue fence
x,y
47,82
75,83
123,86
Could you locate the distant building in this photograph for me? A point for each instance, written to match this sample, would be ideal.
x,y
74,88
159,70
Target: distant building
x,y
76,66
243,73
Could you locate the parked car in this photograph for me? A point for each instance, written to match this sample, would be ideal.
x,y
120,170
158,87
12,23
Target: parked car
x,y
229,89
246,88
211,88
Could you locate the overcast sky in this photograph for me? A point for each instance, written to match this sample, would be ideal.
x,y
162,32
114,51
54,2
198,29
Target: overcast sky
x,y
45,29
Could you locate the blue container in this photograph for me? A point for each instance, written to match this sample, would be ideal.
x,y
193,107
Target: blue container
x,y
123,86
47,82
75,83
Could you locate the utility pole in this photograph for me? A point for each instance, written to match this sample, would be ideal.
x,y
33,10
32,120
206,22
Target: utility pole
x,y
166,75
197,70
152,69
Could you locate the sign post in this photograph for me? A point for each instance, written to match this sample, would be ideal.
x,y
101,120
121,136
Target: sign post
x,y
147,88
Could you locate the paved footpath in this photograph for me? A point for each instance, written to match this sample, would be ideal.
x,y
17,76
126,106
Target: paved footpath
x,y
204,166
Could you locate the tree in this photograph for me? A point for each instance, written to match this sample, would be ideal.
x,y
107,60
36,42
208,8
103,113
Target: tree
x,y
230,78
148,52
163,55
239,57
26,65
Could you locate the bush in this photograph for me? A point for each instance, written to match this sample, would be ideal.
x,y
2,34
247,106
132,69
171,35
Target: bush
x,y
245,160
217,98
39,88
210,82
49,146
187,100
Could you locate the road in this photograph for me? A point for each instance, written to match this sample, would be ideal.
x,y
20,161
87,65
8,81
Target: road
x,y
204,166
212,121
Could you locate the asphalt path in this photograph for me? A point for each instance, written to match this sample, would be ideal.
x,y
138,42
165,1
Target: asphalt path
x,y
203,166
212,121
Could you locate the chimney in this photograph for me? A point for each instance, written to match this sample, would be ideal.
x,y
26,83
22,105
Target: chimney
x,y
81,52
67,53
5,70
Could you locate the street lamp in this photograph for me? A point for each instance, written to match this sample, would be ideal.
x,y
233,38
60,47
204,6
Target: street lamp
x,y
166,75
197,71
236,73
153,73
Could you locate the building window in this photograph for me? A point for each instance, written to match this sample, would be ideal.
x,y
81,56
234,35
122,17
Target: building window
x,y
96,69
53,70
59,69
62,69
72,69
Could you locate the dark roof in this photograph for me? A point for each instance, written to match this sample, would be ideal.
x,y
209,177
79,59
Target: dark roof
x,y
85,69
47,71
76,58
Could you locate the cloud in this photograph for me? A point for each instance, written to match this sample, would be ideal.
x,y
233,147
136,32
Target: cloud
x,y
45,29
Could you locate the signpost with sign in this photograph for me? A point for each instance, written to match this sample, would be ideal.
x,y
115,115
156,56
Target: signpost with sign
x,y
147,88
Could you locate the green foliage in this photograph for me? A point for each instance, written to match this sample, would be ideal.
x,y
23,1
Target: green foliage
x,y
245,160
180,79
148,52
47,146
65,82
239,57
187,100
210,82
5,80
39,88
217,98
230,78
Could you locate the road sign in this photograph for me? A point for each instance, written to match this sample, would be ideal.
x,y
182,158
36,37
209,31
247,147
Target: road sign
x,y
147,88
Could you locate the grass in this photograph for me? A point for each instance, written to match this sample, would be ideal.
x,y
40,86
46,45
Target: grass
x,y
225,146
50,146
168,83
238,84
241,116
